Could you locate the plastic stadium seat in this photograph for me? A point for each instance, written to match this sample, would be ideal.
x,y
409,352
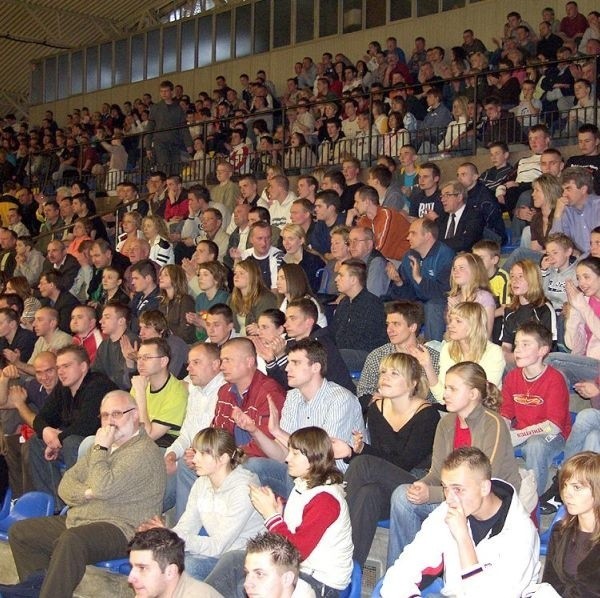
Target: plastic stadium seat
x,y
5,508
384,523
353,590
31,504
545,536
120,566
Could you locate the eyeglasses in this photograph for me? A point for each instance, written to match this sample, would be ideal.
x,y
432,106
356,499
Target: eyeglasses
x,y
450,194
115,414
147,357
354,241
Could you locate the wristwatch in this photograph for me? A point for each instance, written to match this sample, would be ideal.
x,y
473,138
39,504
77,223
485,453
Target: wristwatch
x,y
99,447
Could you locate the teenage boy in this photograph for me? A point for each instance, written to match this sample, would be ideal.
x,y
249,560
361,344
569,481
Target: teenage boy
x,y
535,402
558,266
480,535
588,140
489,252
501,170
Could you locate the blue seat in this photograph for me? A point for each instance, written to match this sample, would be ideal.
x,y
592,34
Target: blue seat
x,y
353,590
31,504
384,523
119,566
436,587
5,508
355,375
545,536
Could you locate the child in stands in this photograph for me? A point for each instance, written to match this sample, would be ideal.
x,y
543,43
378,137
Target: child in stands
x,y
536,402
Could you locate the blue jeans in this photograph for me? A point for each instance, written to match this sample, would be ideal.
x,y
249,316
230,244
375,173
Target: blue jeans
x,y
521,253
405,521
271,473
184,480
575,368
585,433
46,475
199,567
538,453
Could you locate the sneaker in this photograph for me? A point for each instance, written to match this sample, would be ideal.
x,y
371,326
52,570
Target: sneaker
x,y
553,492
549,507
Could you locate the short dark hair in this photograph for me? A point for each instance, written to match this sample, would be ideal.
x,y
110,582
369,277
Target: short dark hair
x,y
78,351
411,311
541,334
162,346
13,301
145,268
283,553
315,352
330,198
357,268
306,306
435,169
336,177
382,174
121,310
166,546
221,309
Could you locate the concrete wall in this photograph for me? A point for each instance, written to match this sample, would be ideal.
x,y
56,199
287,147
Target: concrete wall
x,y
486,18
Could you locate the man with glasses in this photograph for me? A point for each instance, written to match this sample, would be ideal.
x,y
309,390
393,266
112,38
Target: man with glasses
x,y
460,226
160,397
67,417
118,484
362,247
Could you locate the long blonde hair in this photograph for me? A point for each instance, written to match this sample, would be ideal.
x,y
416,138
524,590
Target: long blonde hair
x,y
479,278
476,316
240,303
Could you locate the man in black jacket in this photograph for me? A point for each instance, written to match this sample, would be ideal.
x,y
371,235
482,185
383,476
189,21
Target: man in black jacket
x,y
61,262
68,416
460,226
301,322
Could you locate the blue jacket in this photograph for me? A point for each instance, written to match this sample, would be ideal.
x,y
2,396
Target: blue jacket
x,y
435,269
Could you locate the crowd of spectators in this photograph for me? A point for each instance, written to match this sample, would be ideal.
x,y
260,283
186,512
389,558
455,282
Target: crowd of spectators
x,y
357,326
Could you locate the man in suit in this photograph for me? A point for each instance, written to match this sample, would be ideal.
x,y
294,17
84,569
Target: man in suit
x,y
460,225
61,300
64,264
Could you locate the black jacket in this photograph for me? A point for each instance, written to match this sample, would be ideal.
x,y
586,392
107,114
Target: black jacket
x,y
336,368
469,230
74,415
67,272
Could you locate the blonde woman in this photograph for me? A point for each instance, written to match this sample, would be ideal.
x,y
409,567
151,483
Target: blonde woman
x,y
466,340
457,127
131,223
293,237
469,282
250,297
156,232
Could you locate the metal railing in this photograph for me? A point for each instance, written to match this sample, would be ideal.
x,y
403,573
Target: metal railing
x,y
366,147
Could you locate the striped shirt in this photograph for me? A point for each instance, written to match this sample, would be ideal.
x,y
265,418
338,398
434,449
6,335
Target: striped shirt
x,y
333,408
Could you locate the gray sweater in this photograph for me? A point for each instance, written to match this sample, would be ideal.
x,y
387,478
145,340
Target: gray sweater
x,y
128,485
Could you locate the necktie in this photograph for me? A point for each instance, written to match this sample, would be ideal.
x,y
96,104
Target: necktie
x,y
452,227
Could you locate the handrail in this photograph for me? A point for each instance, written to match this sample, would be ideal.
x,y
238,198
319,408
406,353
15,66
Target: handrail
x,y
204,125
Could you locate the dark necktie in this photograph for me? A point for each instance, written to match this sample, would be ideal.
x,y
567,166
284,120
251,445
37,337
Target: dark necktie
x,y
452,227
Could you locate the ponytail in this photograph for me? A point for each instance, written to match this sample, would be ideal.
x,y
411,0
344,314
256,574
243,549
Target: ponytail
x,y
493,397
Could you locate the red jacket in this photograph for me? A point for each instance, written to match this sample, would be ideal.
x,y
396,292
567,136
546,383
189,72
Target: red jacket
x,y
254,403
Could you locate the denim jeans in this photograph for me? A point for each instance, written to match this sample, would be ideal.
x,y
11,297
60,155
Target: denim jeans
x,y
575,368
46,475
405,521
199,567
227,577
521,253
585,433
538,453
271,473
